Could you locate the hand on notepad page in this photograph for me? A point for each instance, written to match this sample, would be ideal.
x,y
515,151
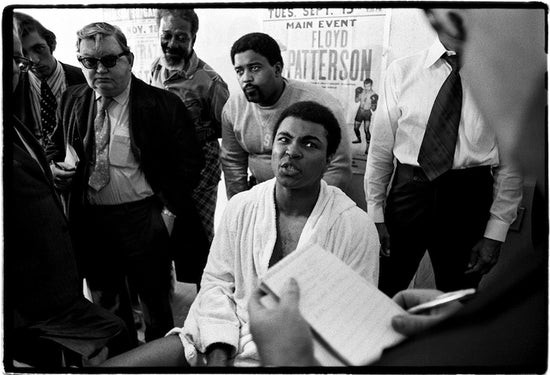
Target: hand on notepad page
x,y
281,334
410,324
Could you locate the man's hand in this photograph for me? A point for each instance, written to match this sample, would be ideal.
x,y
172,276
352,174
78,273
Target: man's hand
x,y
217,355
484,256
384,237
281,334
410,324
62,175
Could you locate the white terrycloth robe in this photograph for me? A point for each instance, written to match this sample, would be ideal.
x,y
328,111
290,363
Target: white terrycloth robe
x,y
240,254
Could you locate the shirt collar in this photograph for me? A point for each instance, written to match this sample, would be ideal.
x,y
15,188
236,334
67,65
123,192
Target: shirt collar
x,y
121,98
52,80
436,50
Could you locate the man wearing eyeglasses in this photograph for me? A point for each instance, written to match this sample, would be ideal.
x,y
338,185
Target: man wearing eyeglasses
x,y
40,90
204,93
139,162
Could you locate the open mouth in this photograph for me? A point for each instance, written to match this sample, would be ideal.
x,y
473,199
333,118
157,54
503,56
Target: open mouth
x,y
289,168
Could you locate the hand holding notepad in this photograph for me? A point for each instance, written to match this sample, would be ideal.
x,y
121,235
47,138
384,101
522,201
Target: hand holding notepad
x,y
350,317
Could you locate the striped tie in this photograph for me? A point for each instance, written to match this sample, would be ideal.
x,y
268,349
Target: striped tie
x,y
100,173
439,143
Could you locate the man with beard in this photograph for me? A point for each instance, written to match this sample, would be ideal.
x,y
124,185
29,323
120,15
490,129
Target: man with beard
x,y
204,93
40,90
248,117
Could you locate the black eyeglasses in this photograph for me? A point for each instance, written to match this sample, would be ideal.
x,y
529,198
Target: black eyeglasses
x,y
23,63
107,61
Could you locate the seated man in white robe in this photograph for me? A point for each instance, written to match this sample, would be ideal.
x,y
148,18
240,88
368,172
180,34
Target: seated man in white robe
x,y
259,227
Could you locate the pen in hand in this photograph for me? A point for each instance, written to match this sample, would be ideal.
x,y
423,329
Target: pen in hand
x,y
443,299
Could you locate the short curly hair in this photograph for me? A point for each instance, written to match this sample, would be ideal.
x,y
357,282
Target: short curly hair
x,y
187,14
260,43
319,114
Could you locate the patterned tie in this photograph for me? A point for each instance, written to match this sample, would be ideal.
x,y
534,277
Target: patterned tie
x,y
100,174
439,143
48,106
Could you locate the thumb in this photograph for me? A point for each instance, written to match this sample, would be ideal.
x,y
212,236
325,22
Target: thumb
x,y
411,324
291,295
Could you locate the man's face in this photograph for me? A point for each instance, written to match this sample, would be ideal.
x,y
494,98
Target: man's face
x,y
367,86
176,41
299,155
258,79
36,49
106,81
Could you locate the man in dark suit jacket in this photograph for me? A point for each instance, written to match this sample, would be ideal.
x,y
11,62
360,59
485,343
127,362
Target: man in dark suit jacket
x,y
139,162
47,73
46,313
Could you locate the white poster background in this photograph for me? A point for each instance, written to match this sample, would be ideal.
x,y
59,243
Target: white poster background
x,y
336,48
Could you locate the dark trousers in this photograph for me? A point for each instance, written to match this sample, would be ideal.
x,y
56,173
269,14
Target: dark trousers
x,y
127,244
446,217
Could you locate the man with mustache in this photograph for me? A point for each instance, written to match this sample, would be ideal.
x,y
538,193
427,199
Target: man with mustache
x,y
259,227
248,117
204,93
41,88
139,162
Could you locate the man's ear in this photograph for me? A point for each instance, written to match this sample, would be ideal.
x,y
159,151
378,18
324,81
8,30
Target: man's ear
x,y
131,59
278,68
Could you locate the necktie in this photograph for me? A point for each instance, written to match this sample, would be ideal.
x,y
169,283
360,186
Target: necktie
x,y
48,106
102,126
439,142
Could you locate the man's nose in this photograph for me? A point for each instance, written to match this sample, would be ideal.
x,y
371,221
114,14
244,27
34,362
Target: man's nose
x,y
293,150
101,68
247,76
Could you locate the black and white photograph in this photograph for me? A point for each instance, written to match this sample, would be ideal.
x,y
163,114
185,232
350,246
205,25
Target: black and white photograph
x,y
323,187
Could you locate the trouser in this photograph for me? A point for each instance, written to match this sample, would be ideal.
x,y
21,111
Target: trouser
x,y
128,245
446,217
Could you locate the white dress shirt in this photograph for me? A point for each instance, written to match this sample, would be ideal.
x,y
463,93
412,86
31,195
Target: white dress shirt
x,y
410,87
127,181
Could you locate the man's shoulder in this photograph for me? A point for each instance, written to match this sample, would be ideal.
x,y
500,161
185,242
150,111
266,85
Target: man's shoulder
x,y
410,62
143,90
207,70
308,91
73,74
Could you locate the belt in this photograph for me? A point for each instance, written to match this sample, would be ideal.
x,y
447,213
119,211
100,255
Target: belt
x,y
411,172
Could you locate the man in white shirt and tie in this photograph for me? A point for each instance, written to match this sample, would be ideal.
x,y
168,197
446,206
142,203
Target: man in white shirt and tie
x,y
455,198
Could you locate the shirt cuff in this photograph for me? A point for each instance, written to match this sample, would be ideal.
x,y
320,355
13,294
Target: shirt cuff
x,y
496,230
376,213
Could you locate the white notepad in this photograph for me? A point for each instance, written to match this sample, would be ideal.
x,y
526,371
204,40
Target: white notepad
x,y
350,317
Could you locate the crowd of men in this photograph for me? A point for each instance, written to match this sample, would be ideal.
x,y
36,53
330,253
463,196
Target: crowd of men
x,y
117,179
